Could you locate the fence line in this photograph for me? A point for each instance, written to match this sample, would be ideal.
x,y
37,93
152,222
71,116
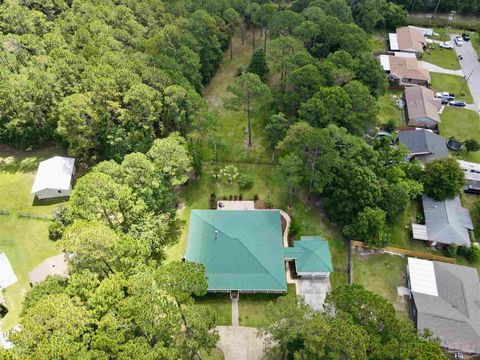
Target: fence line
x,y
399,251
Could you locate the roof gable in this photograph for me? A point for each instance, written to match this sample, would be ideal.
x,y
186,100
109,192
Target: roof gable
x,y
311,255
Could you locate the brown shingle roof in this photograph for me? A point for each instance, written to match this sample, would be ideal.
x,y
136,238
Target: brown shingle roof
x,y
410,39
406,67
422,106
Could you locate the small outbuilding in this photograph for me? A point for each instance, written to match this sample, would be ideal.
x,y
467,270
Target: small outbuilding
x,y
54,178
55,265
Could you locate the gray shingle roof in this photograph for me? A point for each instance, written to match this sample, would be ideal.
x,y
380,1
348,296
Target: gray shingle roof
x,y
447,221
454,315
423,144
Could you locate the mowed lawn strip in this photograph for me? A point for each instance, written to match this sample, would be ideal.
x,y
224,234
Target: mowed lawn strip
x,y
24,240
445,58
462,124
452,84
388,109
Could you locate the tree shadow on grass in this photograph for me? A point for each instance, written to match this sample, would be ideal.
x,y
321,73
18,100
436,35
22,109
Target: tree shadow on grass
x,y
14,160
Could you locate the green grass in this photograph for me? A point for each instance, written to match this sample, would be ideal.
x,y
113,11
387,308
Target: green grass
x,y
221,304
453,84
215,354
251,307
382,274
388,109
25,241
475,39
445,58
462,124
379,42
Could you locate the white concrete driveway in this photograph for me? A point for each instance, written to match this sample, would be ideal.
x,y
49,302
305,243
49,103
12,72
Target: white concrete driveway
x,y
471,69
240,343
314,291
437,69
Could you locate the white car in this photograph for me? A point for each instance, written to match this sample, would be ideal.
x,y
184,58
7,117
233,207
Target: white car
x,y
446,45
444,94
458,40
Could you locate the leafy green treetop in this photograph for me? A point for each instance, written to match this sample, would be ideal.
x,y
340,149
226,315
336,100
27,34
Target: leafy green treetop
x,y
443,179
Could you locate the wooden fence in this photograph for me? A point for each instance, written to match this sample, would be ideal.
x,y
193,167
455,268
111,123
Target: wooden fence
x,y
411,253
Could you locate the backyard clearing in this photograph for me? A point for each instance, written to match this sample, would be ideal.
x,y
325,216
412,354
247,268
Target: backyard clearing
x,y
22,237
463,125
388,108
382,274
452,84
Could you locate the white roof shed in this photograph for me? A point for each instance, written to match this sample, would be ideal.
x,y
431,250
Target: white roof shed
x,y
422,276
55,173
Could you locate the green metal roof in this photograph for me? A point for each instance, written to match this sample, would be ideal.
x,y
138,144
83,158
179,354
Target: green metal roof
x,y
241,250
311,255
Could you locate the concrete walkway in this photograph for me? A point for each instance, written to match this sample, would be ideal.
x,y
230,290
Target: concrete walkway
x,y
470,67
437,69
240,343
235,312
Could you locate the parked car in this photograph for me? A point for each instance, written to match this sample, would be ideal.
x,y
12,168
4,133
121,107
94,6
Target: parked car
x,y
447,99
458,40
444,94
466,36
457,103
446,45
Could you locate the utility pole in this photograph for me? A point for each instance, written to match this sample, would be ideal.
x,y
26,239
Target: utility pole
x,y
466,82
438,4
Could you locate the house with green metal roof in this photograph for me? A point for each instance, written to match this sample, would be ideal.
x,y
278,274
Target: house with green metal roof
x,y
311,255
242,250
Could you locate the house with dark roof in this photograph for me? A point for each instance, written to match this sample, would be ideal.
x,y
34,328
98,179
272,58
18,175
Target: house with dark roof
x,y
422,107
242,250
446,222
446,300
423,145
407,39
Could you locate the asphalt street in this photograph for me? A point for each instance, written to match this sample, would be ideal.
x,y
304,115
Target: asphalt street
x,y
471,68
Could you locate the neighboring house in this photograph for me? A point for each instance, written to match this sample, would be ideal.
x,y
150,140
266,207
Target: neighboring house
x,y
405,68
55,265
422,107
242,250
446,301
446,222
407,39
423,145
54,178
472,176
311,256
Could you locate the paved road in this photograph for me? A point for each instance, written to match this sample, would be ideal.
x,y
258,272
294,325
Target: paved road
x,y
240,343
470,66
434,68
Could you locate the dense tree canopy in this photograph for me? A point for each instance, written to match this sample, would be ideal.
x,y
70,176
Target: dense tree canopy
x,y
443,179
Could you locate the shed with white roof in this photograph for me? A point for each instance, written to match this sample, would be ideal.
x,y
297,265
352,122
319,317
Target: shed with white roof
x,y
54,178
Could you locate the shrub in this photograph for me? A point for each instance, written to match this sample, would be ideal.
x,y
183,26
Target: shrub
x,y
268,204
241,69
213,201
463,250
245,181
55,230
474,254
4,212
390,126
472,145
240,197
294,228
224,197
255,197
235,197
451,250
230,197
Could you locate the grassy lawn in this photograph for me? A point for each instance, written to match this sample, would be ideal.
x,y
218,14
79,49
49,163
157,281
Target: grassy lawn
x,y
25,241
388,109
251,307
462,124
215,354
445,58
379,42
453,84
221,304
382,274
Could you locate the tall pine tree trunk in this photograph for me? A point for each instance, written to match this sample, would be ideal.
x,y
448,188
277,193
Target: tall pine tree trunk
x,y
231,47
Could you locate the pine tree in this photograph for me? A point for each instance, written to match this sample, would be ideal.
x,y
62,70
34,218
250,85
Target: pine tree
x,y
258,64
